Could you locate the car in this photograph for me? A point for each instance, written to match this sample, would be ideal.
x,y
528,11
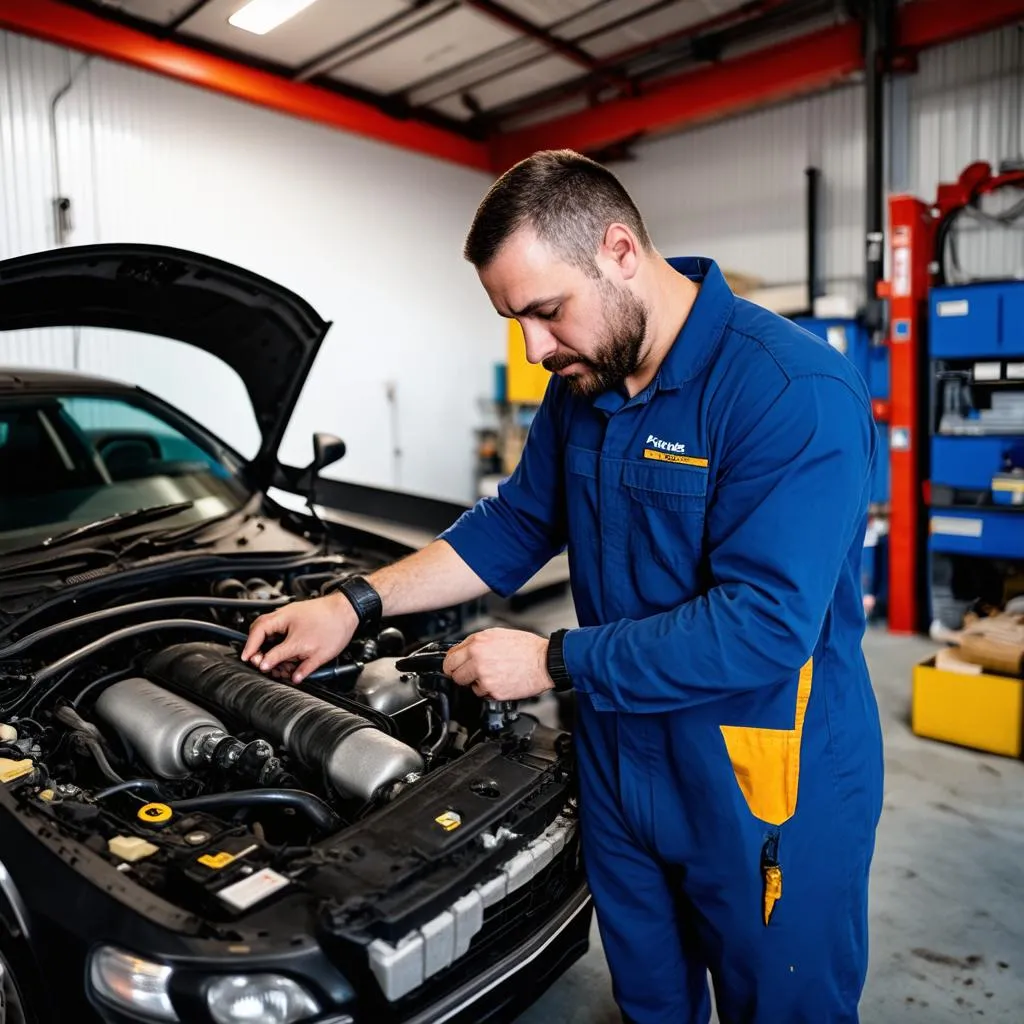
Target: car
x,y
182,837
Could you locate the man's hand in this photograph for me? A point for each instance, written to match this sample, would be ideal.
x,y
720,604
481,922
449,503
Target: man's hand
x,y
501,664
314,632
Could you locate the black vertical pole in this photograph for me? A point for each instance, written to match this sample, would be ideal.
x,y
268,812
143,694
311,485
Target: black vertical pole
x,y
814,284
879,17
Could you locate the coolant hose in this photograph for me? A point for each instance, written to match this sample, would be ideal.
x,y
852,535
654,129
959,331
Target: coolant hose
x,y
312,806
155,604
69,661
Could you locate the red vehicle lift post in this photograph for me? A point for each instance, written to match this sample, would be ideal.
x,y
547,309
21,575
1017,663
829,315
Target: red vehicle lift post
x,y
913,230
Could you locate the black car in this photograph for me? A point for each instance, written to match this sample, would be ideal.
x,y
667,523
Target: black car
x,y
183,838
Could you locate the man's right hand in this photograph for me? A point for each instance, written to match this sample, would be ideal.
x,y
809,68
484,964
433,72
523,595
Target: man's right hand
x,y
313,632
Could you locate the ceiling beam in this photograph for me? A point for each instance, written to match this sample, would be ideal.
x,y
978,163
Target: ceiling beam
x,y
807,64
68,26
928,23
812,62
563,47
556,94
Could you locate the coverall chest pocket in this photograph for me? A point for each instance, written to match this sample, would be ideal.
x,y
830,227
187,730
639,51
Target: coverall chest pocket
x,y
667,486
666,518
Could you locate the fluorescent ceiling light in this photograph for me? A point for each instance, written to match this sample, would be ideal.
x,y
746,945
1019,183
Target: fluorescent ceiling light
x,y
261,16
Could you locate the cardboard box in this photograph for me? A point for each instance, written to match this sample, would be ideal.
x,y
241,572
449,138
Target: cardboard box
x,y
995,642
958,704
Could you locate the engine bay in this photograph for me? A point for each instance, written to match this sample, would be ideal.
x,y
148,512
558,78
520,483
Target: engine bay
x,y
361,805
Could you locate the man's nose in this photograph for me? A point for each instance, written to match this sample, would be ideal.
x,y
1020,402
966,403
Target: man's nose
x,y
540,343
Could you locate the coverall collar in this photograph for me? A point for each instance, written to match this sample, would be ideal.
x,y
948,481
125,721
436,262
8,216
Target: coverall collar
x,y
698,339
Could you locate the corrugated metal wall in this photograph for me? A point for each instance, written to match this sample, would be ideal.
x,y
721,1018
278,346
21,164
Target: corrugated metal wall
x,y
966,103
736,190
345,222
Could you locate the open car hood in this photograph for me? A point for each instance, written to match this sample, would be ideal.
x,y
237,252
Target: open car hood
x,y
267,334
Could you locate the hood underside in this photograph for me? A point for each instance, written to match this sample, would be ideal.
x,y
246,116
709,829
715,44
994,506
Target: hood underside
x,y
267,334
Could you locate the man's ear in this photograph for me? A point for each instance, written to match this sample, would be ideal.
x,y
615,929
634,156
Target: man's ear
x,y
620,251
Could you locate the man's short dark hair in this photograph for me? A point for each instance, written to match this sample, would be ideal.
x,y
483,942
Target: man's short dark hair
x,y
568,199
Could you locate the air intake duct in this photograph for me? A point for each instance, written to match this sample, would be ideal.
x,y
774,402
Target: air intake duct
x,y
356,757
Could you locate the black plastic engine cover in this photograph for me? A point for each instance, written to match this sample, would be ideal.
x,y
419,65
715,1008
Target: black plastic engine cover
x,y
415,856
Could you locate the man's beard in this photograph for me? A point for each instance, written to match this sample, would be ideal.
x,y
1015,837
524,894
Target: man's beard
x,y
618,355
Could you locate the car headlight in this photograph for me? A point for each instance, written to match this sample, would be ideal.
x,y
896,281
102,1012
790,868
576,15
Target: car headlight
x,y
259,999
132,983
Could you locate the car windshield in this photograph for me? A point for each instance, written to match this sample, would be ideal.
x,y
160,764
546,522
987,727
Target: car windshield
x,y
67,460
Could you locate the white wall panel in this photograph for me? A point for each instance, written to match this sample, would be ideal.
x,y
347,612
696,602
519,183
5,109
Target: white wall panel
x,y
736,190
369,234
967,104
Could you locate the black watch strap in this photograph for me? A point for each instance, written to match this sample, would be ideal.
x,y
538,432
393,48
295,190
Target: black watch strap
x,y
556,662
367,603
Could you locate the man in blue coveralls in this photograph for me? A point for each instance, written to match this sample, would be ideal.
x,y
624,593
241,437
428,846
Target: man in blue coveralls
x,y
707,465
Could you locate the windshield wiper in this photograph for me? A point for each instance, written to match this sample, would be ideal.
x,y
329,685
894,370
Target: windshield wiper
x,y
108,524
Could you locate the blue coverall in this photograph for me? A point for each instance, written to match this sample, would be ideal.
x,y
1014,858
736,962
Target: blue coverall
x,y
728,739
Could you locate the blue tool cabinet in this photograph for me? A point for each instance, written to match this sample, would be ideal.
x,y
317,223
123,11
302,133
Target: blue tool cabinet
x,y
976,425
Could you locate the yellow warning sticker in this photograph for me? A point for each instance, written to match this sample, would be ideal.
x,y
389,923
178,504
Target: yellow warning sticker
x,y
216,860
449,821
683,460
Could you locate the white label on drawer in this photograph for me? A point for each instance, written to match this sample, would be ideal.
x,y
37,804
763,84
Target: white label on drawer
x,y
988,371
1015,371
954,526
953,307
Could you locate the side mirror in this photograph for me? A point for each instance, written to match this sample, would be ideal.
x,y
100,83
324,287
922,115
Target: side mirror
x,y
327,449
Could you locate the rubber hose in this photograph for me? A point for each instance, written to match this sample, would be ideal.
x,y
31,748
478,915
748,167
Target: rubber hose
x,y
359,760
101,759
163,603
70,660
127,786
307,726
312,806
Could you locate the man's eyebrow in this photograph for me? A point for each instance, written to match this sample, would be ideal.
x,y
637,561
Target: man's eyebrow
x,y
532,307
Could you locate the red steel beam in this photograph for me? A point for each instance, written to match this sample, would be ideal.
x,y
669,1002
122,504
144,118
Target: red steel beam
x,y
806,64
929,23
811,62
68,26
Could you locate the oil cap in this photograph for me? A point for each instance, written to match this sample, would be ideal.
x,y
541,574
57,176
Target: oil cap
x,y
154,814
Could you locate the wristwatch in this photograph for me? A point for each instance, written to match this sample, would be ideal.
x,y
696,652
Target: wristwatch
x,y
556,662
367,603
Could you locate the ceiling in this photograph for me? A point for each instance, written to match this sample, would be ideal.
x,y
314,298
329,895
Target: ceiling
x,y
481,68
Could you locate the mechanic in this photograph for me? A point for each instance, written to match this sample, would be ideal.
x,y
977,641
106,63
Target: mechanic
x,y
707,464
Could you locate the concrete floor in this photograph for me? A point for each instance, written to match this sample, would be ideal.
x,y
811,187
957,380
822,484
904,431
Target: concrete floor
x,y
947,895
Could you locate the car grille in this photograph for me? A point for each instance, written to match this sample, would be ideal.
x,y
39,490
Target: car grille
x,y
506,924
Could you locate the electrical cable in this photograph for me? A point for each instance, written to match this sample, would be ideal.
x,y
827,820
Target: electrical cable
x,y
312,806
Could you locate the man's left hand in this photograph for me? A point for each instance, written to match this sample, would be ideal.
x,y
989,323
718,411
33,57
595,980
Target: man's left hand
x,y
501,664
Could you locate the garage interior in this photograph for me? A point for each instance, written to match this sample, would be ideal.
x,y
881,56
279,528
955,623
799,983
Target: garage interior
x,y
854,165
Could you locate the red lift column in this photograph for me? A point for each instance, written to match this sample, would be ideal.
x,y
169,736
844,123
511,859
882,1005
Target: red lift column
x,y
912,236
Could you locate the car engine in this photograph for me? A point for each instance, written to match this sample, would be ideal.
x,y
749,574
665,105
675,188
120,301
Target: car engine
x,y
130,725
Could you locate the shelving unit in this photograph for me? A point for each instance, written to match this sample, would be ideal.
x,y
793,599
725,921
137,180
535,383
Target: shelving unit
x,y
976,436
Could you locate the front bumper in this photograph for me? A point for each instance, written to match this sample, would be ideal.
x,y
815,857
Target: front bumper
x,y
498,994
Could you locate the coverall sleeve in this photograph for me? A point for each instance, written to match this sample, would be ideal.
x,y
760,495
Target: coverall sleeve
x,y
790,496
506,539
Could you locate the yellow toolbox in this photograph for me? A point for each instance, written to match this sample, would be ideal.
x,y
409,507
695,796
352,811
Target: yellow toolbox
x,y
526,382
983,711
